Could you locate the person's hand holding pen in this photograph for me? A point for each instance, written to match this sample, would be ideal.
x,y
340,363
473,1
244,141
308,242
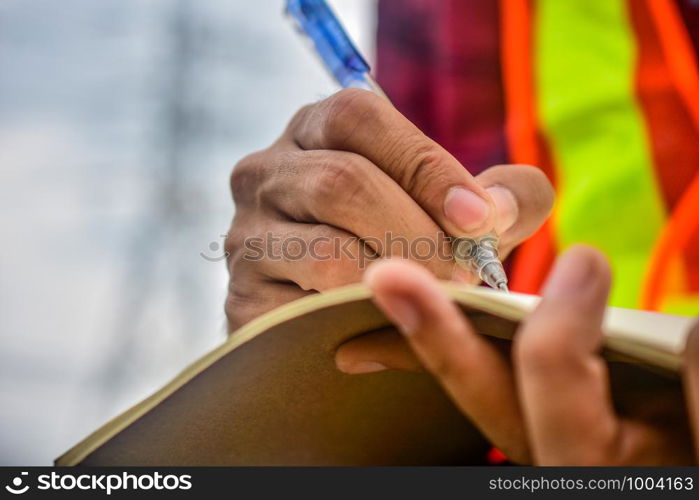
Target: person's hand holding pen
x,y
352,169
352,173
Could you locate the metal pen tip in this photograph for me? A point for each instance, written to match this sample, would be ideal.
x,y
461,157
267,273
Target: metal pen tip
x,y
503,287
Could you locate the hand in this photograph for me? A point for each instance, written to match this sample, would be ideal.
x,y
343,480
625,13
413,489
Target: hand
x,y
551,404
348,171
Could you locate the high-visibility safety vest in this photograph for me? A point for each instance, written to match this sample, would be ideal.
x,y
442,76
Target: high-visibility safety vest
x,y
603,95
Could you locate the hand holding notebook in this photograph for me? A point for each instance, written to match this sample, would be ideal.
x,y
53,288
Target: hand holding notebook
x,y
272,395
551,401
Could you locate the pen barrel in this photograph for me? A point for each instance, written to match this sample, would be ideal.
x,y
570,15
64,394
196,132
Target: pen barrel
x,y
316,20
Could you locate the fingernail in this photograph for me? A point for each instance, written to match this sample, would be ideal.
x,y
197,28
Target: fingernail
x,y
506,208
363,367
400,311
466,209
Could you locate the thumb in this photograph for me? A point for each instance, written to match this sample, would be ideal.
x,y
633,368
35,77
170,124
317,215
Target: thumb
x,y
523,198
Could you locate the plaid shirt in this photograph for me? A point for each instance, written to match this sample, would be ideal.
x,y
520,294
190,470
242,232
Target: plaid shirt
x,y
439,61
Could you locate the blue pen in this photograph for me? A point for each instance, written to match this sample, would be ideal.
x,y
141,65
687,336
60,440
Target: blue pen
x,y
315,20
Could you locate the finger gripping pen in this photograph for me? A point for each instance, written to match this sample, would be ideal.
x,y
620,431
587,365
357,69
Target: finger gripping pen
x,y
315,20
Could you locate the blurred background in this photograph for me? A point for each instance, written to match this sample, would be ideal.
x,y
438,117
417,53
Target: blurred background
x,y
120,121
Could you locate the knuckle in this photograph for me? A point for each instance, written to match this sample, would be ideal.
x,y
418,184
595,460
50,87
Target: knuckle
x,y
245,176
424,168
248,245
322,240
240,307
345,111
239,268
339,183
300,116
234,243
333,264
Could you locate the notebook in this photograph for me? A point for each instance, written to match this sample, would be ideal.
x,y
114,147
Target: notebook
x,y
271,395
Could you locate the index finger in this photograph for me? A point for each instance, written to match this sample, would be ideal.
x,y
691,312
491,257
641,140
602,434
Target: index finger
x,y
361,122
563,383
